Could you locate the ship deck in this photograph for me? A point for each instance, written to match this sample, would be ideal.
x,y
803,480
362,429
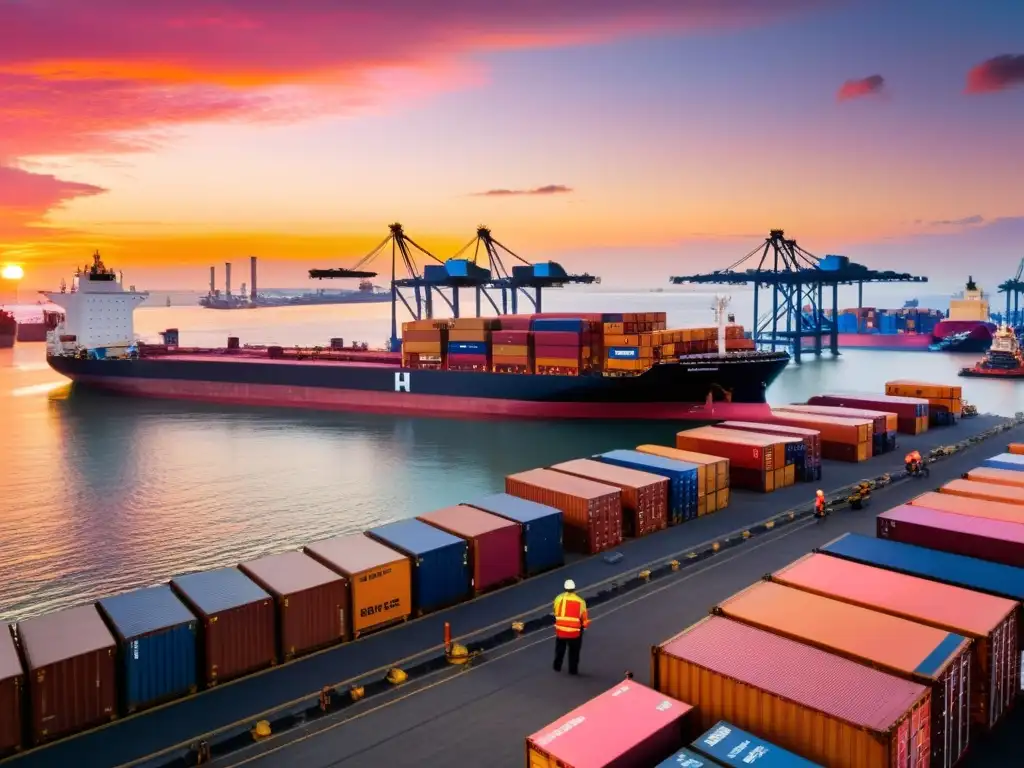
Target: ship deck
x,y
227,357
480,715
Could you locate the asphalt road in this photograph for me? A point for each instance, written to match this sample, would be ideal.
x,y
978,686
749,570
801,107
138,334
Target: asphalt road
x,y
480,715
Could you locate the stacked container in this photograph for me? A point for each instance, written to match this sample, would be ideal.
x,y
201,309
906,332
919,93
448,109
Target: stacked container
x,y
990,622
424,343
540,529
629,725
495,544
932,657
757,461
1011,461
644,495
591,512
965,505
12,686
993,540
945,402
1016,449
712,475
774,687
682,476
157,645
734,747
560,345
440,562
884,424
469,343
311,600
238,627
71,665
510,349
1006,494
379,580
841,439
911,412
811,469
1008,477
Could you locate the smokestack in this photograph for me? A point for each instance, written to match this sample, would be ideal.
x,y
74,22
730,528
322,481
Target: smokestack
x,y
213,280
227,278
252,278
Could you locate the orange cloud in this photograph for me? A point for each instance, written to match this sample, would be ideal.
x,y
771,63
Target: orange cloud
x,y
25,198
996,74
857,89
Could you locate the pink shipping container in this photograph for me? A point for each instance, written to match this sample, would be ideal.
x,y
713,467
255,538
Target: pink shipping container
x,y
992,540
495,544
629,726
514,338
644,496
312,601
882,421
12,683
907,409
71,664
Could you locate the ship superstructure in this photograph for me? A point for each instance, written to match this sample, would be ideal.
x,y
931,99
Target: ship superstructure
x,y
1004,358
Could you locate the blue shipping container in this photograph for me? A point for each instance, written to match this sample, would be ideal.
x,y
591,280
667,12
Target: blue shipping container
x,y
440,574
156,637
968,572
220,590
541,526
623,353
683,490
1011,461
562,324
733,747
687,758
468,347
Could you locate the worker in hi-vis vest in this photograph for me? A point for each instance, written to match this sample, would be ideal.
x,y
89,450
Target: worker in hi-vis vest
x,y
570,620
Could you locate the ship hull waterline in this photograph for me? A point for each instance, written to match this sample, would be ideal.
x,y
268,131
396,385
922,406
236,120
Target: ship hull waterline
x,y
667,392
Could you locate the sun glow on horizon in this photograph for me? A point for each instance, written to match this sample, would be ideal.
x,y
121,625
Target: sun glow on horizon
x,y
12,272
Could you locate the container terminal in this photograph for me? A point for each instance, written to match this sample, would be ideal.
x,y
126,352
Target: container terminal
x,y
508,690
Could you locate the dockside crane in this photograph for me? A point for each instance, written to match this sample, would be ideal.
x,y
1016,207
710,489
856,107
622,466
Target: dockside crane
x,y
797,279
1014,289
524,277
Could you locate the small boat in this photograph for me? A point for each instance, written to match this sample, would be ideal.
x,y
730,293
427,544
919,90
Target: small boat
x,y
1004,359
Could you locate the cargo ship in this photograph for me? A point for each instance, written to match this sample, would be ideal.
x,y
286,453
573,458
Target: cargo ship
x,y
8,329
36,330
594,366
1004,359
966,329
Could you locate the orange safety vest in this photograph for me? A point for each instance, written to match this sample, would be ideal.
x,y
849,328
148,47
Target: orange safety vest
x,y
819,503
570,615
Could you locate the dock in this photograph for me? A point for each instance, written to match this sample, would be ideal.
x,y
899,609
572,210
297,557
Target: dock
x,y
481,713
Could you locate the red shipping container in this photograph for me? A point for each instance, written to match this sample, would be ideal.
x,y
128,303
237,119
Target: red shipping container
x,y
881,421
592,316
591,512
629,725
238,619
495,544
741,448
312,601
71,664
422,335
644,495
515,323
811,437
991,540
462,359
12,682
906,408
557,350
556,338
510,337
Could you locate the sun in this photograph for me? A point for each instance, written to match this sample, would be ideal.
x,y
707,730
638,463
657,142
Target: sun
x,y
12,272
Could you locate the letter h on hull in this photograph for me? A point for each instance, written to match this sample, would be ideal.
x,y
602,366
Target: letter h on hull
x,y
403,382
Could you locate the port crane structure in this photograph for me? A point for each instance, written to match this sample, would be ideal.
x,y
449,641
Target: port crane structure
x,y
798,281
1014,289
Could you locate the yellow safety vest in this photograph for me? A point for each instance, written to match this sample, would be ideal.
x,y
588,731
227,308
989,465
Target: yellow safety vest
x,y
570,615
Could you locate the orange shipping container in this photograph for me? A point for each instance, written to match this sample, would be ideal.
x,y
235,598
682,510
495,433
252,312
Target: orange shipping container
x,y
510,350
970,507
909,388
422,347
644,496
457,334
888,420
749,450
828,709
1016,449
712,471
834,429
924,655
1002,493
996,476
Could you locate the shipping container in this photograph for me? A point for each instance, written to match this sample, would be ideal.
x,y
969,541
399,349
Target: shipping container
x,y
811,469
965,505
712,471
841,439
687,758
540,529
1004,494
683,489
978,537
756,460
644,495
12,686
991,622
1008,477
629,726
735,747
379,580
909,410
883,424
1016,449
591,512
495,544
1009,461
911,388
938,659
311,601
238,632
775,687
440,562
157,645
71,666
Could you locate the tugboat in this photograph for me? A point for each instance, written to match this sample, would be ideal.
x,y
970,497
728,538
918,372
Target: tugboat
x,y
1004,359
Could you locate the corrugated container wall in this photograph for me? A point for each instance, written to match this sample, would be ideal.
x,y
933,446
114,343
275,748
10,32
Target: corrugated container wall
x,y
712,475
824,707
440,562
379,579
991,622
1011,461
540,526
929,656
71,664
495,544
644,496
311,601
911,412
994,476
1004,494
965,505
157,644
735,747
682,477
12,686
238,626
629,725
991,540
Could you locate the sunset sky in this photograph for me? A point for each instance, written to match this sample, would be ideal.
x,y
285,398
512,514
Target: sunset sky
x,y
632,139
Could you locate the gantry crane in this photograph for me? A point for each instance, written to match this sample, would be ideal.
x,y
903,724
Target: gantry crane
x,y
1014,289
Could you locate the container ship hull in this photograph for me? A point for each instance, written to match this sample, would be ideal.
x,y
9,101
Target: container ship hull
x,y
697,388
269,303
959,335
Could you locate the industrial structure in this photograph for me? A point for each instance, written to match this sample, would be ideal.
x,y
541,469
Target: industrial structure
x,y
798,281
1014,289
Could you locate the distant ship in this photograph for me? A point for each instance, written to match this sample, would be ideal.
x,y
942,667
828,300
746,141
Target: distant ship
x,y
8,329
1004,359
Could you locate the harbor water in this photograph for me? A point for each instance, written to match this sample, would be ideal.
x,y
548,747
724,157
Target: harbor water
x,y
103,493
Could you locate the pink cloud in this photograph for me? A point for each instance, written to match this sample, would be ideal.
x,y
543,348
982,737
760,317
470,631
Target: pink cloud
x,y
857,89
996,74
549,189
25,199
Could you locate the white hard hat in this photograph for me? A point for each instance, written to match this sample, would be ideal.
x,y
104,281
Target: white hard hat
x,y
569,585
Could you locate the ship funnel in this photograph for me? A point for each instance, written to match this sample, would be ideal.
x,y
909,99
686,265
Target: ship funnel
x,y
213,281
721,305
227,278
252,278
